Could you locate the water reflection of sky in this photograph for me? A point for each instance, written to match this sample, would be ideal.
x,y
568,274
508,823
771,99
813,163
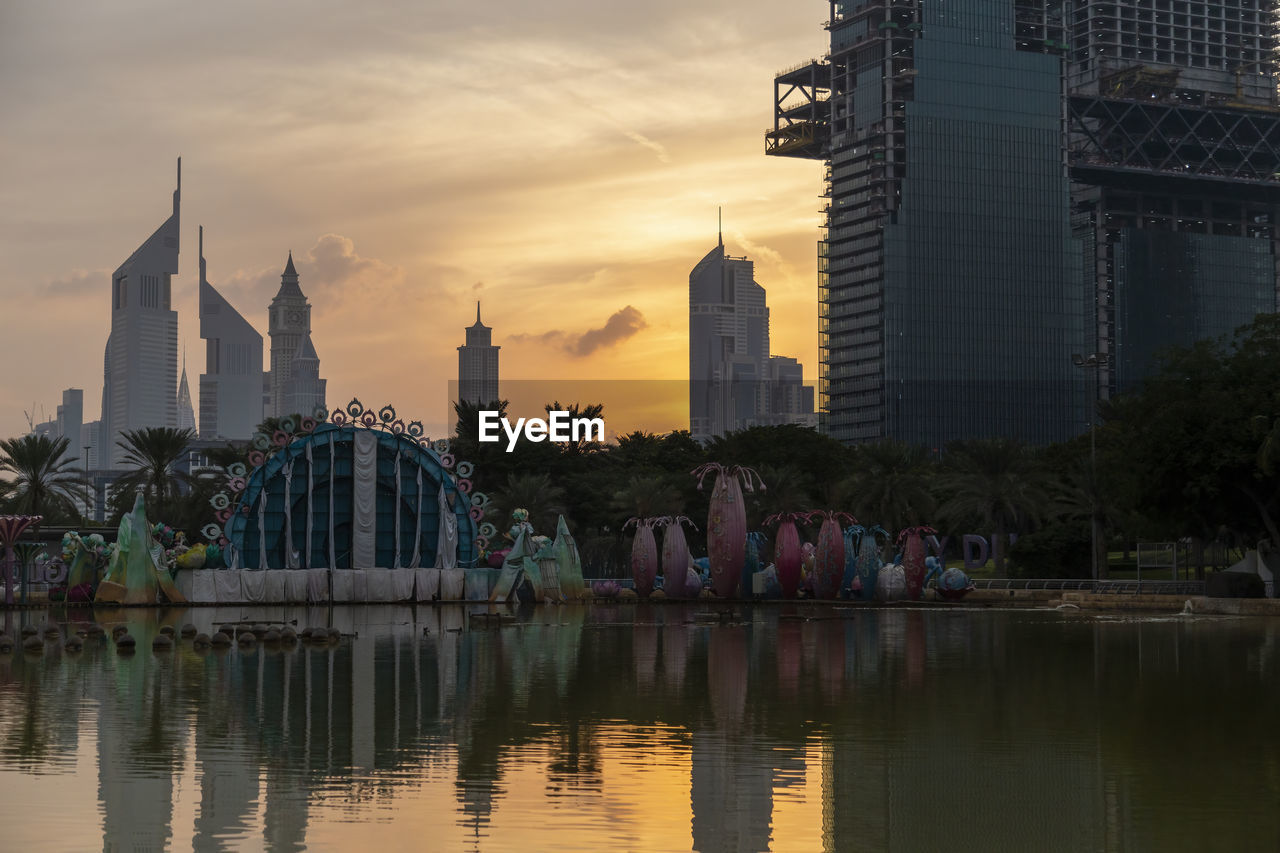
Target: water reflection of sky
x,y
651,728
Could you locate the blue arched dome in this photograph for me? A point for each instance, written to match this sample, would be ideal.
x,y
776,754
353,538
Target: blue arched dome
x,y
349,497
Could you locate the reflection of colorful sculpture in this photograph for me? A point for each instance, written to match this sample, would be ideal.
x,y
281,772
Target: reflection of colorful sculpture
x,y
911,541
786,552
829,558
644,555
136,572
675,558
11,527
727,524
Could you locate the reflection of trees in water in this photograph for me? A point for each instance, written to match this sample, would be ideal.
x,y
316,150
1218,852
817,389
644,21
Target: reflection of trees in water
x,y
1111,722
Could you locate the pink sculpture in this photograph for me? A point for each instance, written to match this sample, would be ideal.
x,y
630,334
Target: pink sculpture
x,y
727,524
829,563
11,527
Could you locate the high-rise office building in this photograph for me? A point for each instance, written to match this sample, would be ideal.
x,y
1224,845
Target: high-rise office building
x,y
140,370
186,412
478,365
1174,145
231,385
290,332
1014,183
734,382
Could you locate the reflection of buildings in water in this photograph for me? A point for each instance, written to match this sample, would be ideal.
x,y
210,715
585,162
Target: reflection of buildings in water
x,y
789,653
731,792
675,650
644,650
727,676
139,750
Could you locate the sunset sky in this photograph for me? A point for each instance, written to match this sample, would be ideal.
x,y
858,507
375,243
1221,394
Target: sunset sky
x,y
562,161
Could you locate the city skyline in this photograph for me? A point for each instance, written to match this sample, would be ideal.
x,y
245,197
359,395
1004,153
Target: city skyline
x,y
337,155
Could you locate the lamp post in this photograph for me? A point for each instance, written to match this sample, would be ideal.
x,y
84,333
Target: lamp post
x,y
88,489
1095,362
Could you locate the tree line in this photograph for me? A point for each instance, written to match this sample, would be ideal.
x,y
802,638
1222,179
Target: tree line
x,y
1193,453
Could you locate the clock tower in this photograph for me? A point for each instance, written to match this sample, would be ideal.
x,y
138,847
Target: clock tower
x,y
289,326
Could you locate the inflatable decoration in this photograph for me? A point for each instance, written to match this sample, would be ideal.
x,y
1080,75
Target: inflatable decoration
x,y
86,558
727,523
786,551
869,560
676,575
954,585
519,564
11,527
848,580
911,541
644,555
891,583
568,563
137,572
829,558
751,566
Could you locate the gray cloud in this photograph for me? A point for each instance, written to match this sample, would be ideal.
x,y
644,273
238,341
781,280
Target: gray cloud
x,y
80,283
625,323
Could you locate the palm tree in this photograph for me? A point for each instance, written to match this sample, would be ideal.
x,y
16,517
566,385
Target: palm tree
x,y
647,496
44,483
534,492
154,453
997,484
891,485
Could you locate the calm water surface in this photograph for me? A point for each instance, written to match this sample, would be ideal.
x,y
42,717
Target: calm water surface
x,y
650,728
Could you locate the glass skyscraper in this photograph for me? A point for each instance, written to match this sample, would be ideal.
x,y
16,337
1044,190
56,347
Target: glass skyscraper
x,y
975,161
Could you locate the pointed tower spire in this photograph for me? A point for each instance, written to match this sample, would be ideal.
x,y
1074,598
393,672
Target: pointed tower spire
x,y
720,224
288,269
478,323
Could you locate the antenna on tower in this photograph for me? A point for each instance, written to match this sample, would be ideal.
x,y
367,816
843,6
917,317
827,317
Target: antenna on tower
x,y
720,224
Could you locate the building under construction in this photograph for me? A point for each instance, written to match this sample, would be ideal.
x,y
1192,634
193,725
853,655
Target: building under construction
x,y
1011,183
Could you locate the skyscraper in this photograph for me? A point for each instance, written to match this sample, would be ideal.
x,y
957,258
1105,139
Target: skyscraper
x,y
231,385
975,240
140,370
728,344
290,333
186,414
1174,135
734,382
478,365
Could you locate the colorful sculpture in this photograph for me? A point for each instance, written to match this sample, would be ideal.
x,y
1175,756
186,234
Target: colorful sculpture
x,y
136,573
568,563
829,557
86,558
911,541
675,558
869,560
953,585
11,527
786,552
727,523
519,563
644,555
756,542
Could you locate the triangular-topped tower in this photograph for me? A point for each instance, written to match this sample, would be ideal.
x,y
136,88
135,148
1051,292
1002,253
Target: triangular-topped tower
x,y
292,351
186,412
478,365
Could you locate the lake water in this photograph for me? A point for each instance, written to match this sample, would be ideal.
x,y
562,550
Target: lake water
x,y
673,727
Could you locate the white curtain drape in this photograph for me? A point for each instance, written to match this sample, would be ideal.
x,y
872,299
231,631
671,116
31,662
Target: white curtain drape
x,y
364,500
447,542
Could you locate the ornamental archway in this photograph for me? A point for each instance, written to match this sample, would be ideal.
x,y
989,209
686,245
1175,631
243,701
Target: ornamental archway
x,y
360,490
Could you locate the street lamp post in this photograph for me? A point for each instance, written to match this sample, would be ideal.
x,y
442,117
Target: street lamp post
x,y
1095,362
88,489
